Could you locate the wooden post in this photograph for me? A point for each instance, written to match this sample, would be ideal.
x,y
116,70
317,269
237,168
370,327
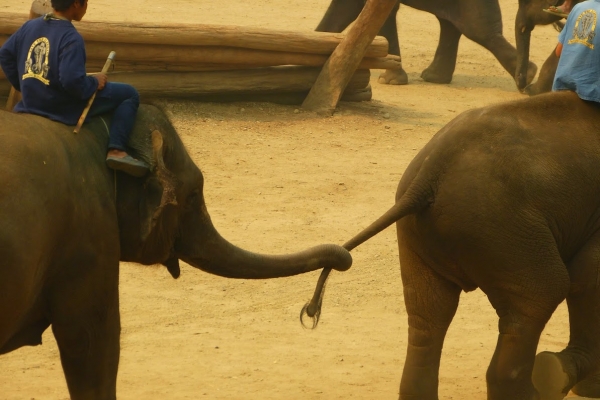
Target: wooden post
x,y
327,90
38,8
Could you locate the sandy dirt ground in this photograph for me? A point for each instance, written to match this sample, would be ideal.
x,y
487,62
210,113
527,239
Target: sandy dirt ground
x,y
278,180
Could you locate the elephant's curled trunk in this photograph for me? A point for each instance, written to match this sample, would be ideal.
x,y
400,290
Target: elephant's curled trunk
x,y
523,28
416,198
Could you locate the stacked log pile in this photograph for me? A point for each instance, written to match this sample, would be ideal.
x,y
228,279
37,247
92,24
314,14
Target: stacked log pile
x,y
215,62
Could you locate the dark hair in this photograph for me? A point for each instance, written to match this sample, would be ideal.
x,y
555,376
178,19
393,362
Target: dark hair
x,y
62,5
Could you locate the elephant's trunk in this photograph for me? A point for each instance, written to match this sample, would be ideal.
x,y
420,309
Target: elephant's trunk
x,y
231,261
217,256
213,254
523,30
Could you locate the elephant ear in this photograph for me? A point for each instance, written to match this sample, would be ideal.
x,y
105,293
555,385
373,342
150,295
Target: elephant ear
x,y
158,209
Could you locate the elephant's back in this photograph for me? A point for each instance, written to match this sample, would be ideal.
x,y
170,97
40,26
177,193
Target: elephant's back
x,y
556,132
519,167
47,172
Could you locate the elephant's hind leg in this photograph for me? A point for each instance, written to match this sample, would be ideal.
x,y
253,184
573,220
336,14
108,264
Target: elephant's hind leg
x,y
524,285
579,363
431,302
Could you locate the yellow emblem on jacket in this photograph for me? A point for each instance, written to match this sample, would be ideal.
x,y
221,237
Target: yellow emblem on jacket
x,y
585,29
36,65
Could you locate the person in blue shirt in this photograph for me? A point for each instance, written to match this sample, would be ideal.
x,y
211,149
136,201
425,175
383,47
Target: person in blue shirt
x,y
578,50
45,60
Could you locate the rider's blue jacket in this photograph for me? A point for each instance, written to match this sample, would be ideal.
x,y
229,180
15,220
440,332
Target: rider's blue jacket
x,y
45,61
579,64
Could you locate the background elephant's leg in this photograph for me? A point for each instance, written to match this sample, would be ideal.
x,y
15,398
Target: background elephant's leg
x,y
580,361
525,295
85,323
339,15
431,302
389,30
505,53
442,67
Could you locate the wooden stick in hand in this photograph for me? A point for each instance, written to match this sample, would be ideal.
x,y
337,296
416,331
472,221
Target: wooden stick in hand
x,y
84,114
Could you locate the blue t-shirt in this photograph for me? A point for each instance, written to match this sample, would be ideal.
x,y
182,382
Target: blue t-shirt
x,y
579,64
45,61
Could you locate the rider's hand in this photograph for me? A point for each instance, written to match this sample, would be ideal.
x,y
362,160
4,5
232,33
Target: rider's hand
x,y
101,78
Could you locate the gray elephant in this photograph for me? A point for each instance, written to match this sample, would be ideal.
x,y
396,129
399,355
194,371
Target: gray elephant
x,y
530,14
66,221
504,198
478,20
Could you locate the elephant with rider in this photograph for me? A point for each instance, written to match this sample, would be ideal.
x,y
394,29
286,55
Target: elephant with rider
x,y
504,198
68,220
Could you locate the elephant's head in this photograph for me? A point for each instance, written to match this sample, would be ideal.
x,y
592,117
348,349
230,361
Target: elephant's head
x,y
163,217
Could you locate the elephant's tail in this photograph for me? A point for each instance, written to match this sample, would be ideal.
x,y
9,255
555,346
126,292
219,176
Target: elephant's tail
x,y
412,201
416,198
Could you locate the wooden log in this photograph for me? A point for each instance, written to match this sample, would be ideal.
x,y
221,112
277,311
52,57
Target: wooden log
x,y
389,62
94,66
261,80
340,67
14,96
257,38
201,54
351,94
293,98
219,55
5,90
365,94
5,87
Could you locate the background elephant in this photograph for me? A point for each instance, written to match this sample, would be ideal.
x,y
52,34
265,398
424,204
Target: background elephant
x,y
480,21
529,15
67,221
504,199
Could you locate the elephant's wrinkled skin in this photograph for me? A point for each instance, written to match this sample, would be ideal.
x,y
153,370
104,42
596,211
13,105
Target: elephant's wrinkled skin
x,y
504,198
65,224
478,20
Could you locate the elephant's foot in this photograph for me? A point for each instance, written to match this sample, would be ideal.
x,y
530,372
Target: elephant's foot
x,y
433,76
549,377
589,387
393,77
